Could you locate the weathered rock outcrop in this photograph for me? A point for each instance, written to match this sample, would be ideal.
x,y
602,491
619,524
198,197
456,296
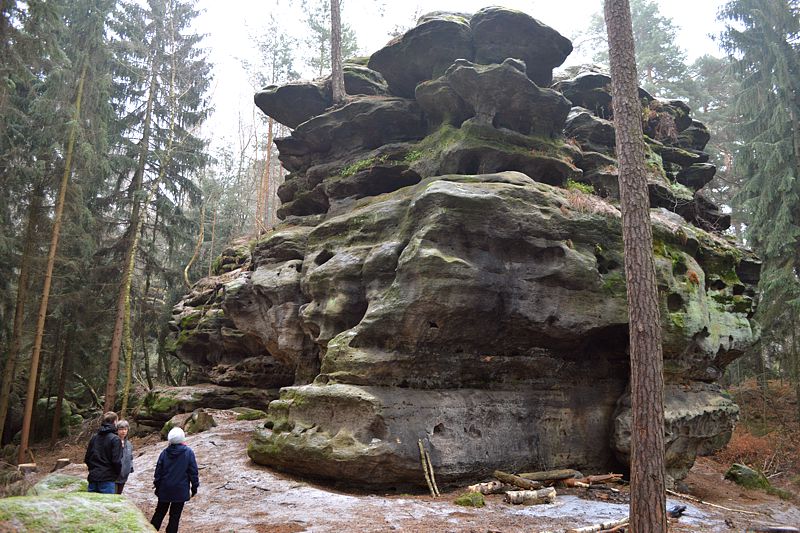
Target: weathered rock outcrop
x,y
450,269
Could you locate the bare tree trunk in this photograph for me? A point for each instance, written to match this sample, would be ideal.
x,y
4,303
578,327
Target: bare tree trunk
x,y
267,170
337,74
648,501
130,254
48,276
34,212
197,246
62,383
147,373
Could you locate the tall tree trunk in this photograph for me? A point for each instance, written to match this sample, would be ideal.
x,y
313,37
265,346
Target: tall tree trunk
x,y
128,276
196,247
147,373
34,212
48,276
62,382
130,254
337,74
267,173
213,238
647,512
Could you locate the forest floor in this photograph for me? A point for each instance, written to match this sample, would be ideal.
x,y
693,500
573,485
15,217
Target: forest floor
x,y
238,495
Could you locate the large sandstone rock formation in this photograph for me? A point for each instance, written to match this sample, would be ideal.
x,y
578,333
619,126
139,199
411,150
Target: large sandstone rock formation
x,y
450,269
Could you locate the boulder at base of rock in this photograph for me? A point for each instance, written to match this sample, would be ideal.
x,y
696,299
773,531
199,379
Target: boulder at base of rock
x,y
747,477
72,513
192,423
159,405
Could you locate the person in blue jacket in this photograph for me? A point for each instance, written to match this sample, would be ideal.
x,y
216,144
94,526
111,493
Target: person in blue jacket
x,y
176,473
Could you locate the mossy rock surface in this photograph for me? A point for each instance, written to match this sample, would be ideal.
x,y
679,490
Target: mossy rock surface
x,y
59,483
245,413
747,477
72,513
470,499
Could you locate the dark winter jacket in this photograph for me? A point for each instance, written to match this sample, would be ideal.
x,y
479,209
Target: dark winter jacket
x,y
127,461
176,469
104,454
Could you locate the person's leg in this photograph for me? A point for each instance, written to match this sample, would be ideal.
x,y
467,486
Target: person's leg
x,y
175,510
106,487
92,487
119,487
158,516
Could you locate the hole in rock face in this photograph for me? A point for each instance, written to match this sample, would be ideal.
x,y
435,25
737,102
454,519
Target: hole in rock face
x,y
433,325
717,285
674,302
738,290
679,268
323,257
438,428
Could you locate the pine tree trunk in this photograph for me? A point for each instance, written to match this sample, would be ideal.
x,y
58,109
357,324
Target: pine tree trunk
x,y
147,373
196,247
62,383
48,276
337,74
648,514
130,254
34,212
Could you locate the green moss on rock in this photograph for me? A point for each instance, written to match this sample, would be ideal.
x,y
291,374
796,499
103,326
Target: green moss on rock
x,y
245,413
747,477
72,513
58,483
471,499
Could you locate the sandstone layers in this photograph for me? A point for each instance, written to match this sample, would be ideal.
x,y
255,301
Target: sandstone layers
x,y
450,269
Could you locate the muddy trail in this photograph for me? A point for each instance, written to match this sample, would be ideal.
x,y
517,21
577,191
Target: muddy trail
x,y
238,495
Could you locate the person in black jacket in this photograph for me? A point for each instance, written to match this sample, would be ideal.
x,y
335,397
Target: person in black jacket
x,y
176,472
104,456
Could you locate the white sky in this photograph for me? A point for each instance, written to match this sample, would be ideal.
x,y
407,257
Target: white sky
x,y
229,25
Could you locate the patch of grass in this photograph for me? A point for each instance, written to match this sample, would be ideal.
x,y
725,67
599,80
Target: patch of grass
x,y
585,188
363,164
470,499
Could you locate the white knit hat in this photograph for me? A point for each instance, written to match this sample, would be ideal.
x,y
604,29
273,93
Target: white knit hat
x,y
176,436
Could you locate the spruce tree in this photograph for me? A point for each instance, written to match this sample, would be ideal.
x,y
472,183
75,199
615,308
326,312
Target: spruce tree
x,y
762,38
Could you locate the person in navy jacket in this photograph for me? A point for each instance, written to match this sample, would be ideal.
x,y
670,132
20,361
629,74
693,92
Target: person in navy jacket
x,y
176,474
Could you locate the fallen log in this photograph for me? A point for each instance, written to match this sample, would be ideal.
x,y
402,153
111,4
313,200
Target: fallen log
x,y
551,475
517,481
572,482
604,478
60,463
604,526
492,487
531,497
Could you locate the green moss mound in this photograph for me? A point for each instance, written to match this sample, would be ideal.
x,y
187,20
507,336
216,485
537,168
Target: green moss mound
x,y
72,513
470,499
747,477
59,483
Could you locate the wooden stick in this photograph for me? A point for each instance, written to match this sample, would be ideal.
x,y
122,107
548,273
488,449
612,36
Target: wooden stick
x,y
605,478
604,526
518,481
698,500
551,475
430,472
425,468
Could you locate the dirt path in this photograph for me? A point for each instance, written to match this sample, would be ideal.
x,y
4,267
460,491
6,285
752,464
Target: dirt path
x,y
238,495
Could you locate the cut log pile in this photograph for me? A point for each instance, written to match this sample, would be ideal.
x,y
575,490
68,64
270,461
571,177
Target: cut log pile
x,y
531,488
